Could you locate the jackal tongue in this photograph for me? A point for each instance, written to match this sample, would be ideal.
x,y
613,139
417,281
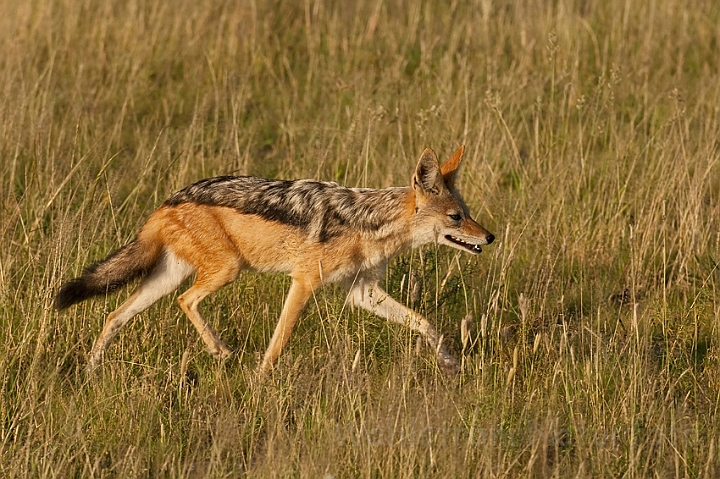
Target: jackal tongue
x,y
475,248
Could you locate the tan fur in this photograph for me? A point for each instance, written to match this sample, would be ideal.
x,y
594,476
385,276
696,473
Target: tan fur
x,y
218,242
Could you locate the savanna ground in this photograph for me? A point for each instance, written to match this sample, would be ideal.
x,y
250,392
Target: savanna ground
x,y
592,134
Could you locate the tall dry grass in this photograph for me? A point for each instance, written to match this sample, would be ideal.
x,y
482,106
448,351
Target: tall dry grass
x,y
592,147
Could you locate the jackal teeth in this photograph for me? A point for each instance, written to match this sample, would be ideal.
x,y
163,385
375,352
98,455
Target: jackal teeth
x,y
475,248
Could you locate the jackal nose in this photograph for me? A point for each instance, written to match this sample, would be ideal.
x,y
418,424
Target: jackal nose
x,y
490,238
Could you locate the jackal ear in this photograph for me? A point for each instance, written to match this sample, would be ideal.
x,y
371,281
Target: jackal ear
x,y
451,166
428,177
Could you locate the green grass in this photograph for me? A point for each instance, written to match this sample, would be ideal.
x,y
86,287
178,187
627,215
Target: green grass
x,y
591,132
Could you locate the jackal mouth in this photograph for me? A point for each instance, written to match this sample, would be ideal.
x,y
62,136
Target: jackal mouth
x,y
473,248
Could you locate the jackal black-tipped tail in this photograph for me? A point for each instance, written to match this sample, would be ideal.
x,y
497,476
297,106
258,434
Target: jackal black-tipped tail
x,y
120,267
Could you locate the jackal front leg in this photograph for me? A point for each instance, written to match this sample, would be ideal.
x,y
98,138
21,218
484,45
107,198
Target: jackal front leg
x,y
295,302
370,296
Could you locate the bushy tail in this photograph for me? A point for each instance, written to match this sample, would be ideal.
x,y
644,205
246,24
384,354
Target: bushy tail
x,y
131,261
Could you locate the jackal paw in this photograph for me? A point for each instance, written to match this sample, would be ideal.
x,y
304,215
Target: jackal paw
x,y
448,364
94,361
220,352
89,370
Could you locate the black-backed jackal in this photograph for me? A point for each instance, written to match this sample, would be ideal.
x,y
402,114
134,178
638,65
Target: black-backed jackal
x,y
316,232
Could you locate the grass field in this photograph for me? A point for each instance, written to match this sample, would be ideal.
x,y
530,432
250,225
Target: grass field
x,y
592,133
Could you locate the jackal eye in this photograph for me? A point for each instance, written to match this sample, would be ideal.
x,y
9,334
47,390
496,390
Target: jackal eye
x,y
455,216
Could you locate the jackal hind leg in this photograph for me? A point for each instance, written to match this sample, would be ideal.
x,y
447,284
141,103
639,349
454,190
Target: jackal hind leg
x,y
297,298
370,296
165,278
208,281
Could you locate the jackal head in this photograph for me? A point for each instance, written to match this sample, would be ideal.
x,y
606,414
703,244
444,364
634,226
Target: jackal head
x,y
440,213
